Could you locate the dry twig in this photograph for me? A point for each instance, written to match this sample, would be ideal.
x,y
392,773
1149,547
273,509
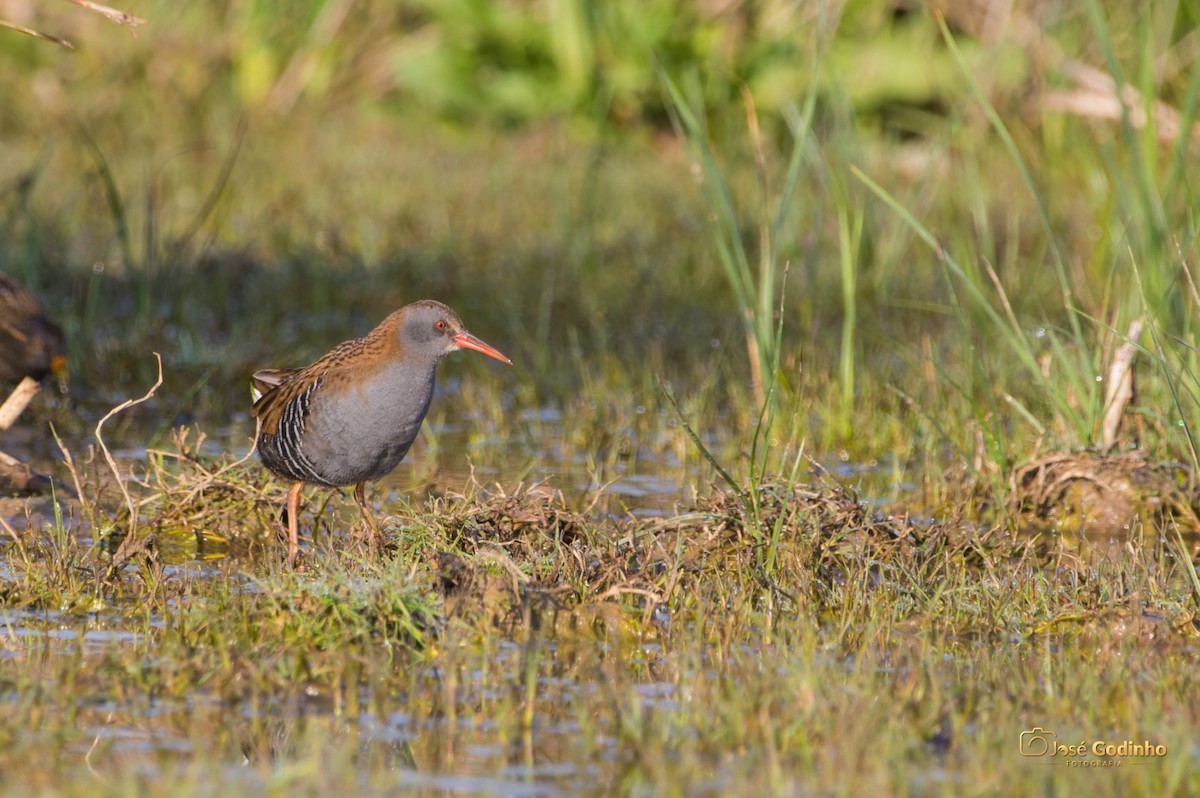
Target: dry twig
x,y
115,15
1121,389
61,42
17,401
112,463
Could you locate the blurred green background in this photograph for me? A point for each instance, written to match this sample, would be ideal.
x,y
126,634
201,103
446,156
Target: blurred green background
x,y
618,191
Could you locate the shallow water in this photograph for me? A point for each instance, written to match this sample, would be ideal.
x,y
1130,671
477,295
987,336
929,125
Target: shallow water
x,y
462,747
468,745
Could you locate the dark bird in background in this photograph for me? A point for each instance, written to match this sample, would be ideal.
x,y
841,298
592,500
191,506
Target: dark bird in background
x,y
31,348
351,416
30,344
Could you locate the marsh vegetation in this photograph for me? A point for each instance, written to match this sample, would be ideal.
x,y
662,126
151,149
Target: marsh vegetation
x,y
807,478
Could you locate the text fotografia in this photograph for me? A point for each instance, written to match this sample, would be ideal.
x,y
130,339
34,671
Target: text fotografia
x,y
1039,742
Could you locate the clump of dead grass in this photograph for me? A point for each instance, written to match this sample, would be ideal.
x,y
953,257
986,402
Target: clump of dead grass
x,y
220,503
530,546
1103,494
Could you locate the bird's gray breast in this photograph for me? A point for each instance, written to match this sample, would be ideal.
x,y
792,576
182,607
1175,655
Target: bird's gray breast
x,y
363,431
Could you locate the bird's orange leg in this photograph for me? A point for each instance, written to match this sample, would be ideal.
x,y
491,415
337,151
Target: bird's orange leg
x,y
360,496
293,514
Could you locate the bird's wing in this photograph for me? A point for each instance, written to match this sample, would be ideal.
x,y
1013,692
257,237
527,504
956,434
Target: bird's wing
x,y
264,380
15,298
276,389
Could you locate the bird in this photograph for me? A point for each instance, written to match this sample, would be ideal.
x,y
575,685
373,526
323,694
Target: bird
x,y
351,416
30,344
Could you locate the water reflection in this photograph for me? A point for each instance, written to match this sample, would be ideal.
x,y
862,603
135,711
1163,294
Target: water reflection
x,y
459,728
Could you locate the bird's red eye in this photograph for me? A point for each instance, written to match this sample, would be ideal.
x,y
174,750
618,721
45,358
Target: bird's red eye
x,y
439,325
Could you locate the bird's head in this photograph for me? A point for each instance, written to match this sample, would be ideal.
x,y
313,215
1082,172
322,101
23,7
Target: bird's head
x,y
430,329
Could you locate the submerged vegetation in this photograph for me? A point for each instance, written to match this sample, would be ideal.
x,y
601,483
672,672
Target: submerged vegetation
x,y
850,447
503,636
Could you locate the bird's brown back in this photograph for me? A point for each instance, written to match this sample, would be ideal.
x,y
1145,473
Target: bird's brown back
x,y
335,370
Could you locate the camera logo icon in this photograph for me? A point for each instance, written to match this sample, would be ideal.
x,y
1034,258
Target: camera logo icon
x,y
1037,742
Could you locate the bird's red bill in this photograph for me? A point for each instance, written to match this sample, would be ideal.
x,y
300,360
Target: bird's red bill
x,y
467,341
